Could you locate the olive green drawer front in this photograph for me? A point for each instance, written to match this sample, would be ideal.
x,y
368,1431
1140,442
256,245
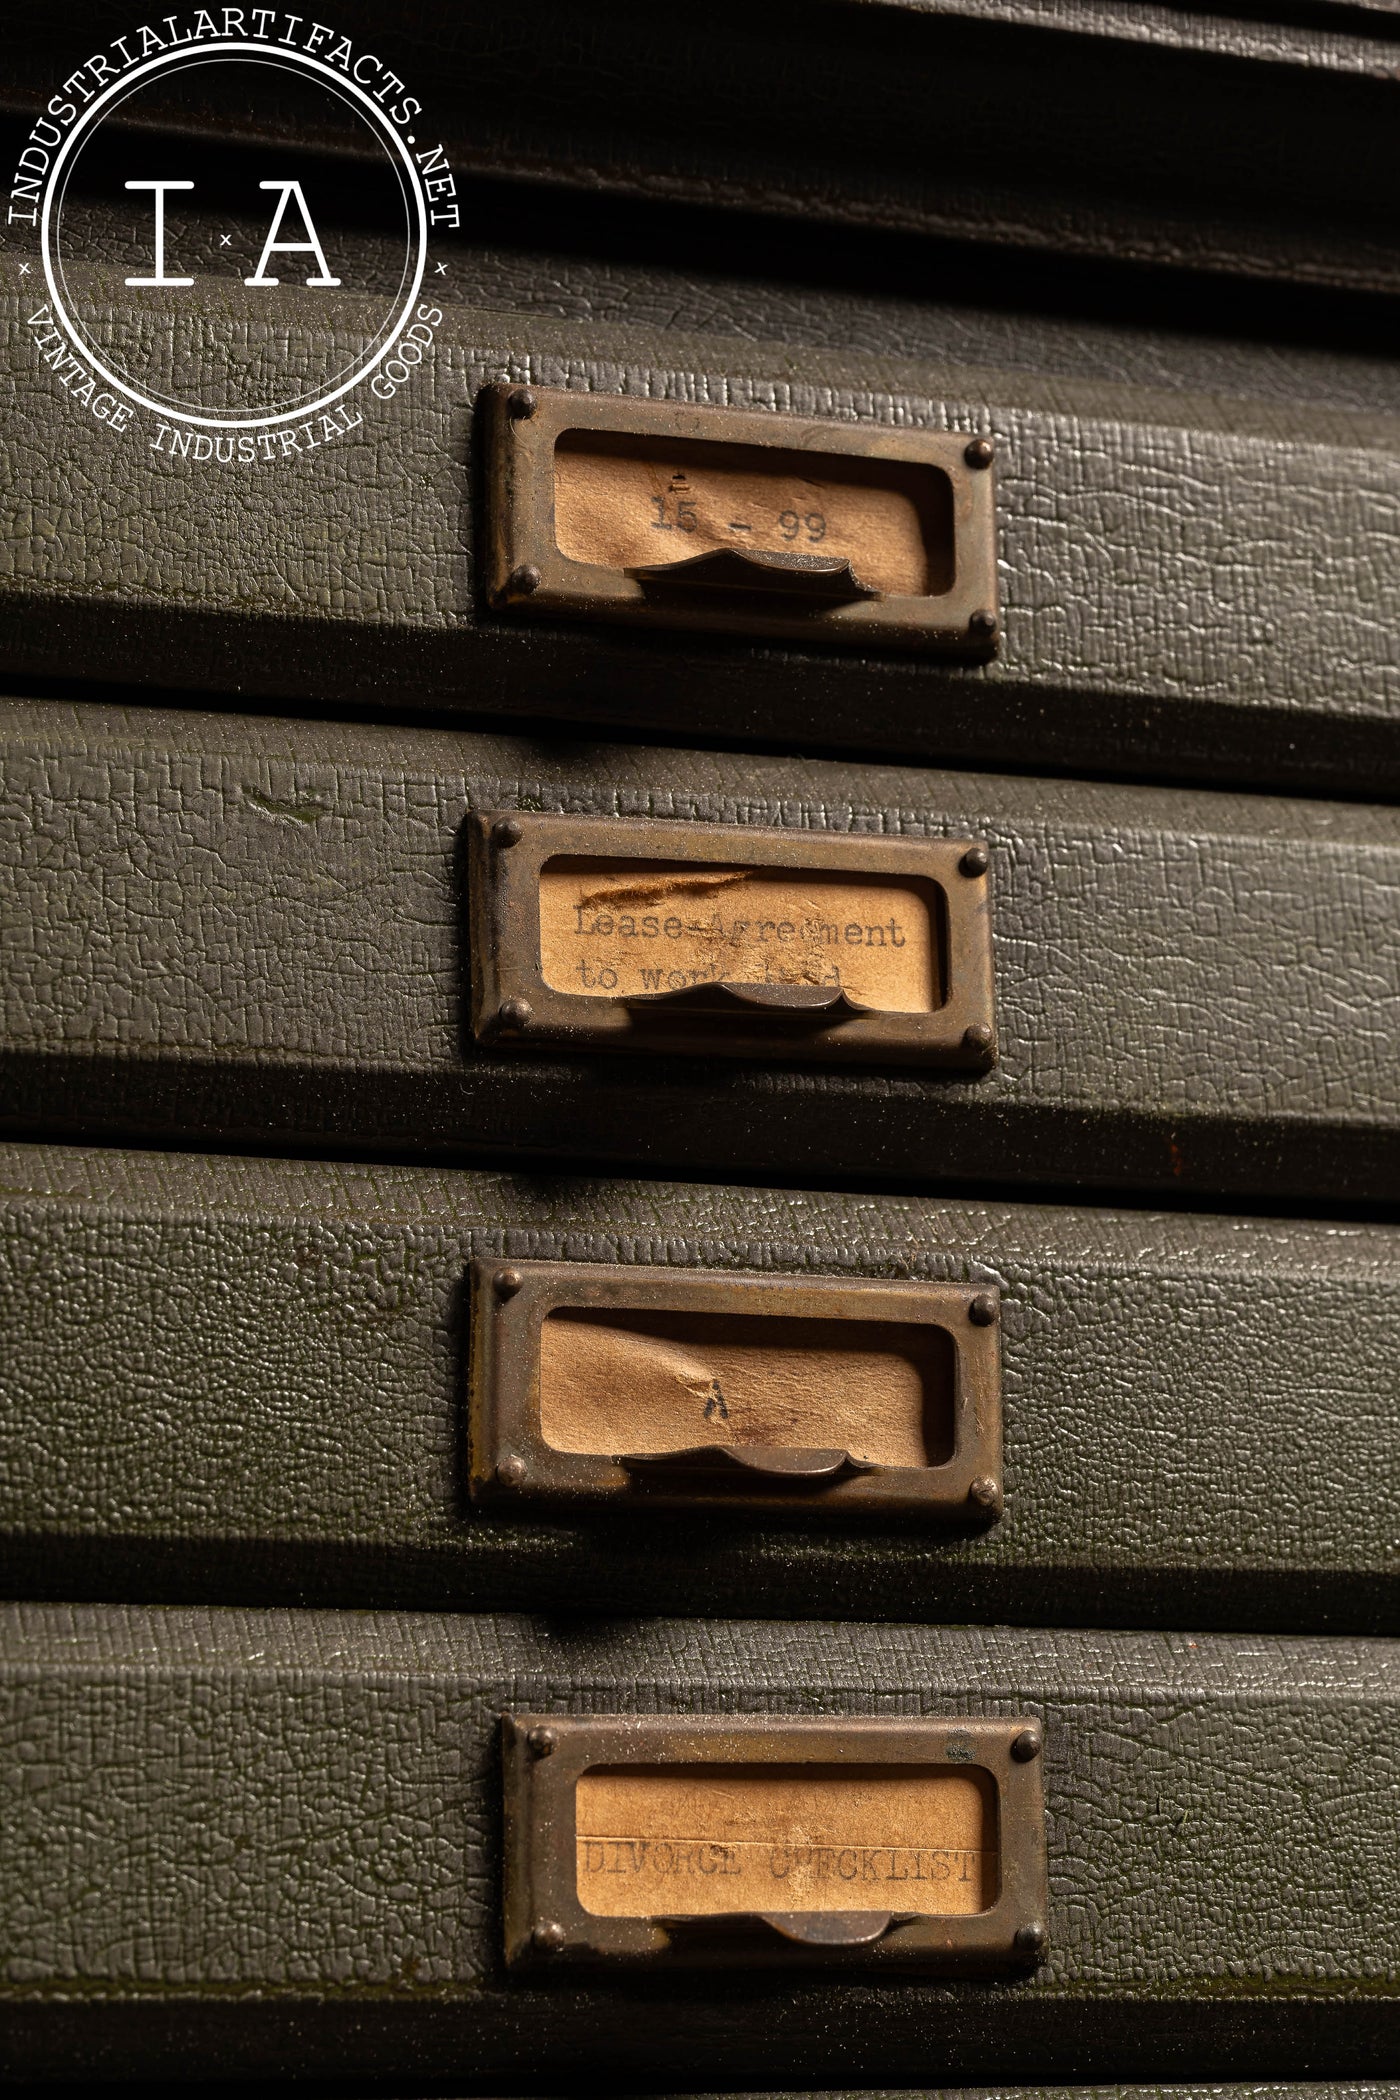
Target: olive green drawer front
x,y
271,1842
1192,582
247,1379
241,929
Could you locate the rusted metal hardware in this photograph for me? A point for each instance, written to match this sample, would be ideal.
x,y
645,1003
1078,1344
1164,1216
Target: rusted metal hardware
x,y
604,506
954,1420
737,1464
810,578
657,978
781,1002
834,1810
809,1928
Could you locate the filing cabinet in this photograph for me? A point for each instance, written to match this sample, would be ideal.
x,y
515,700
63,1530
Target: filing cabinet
x,y
287,1381
258,1834
685,1404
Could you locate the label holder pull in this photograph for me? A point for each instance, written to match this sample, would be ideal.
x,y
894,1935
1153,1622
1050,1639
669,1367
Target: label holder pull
x,y
804,579
779,1003
771,1465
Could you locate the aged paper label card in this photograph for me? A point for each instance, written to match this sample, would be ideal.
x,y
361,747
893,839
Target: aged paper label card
x,y
695,1841
620,928
660,936
852,532
688,1388
761,1840
620,1382
628,503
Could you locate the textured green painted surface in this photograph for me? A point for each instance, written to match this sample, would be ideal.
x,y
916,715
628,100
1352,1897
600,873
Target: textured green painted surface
x,y
223,928
269,1841
1195,573
245,1378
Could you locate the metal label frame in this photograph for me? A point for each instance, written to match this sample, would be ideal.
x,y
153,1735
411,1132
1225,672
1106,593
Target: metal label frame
x,y
512,1004
548,1930
511,1466
526,573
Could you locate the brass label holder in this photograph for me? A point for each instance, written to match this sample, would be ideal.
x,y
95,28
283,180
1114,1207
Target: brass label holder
x,y
580,1369
603,506
663,1842
555,960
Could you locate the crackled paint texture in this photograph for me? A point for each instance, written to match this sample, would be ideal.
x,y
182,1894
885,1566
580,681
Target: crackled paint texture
x,y
253,928
237,1376
264,1812
1194,579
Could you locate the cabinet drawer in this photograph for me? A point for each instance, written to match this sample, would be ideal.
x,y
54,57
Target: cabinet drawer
x,y
258,931
257,1379
1176,583
272,1842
